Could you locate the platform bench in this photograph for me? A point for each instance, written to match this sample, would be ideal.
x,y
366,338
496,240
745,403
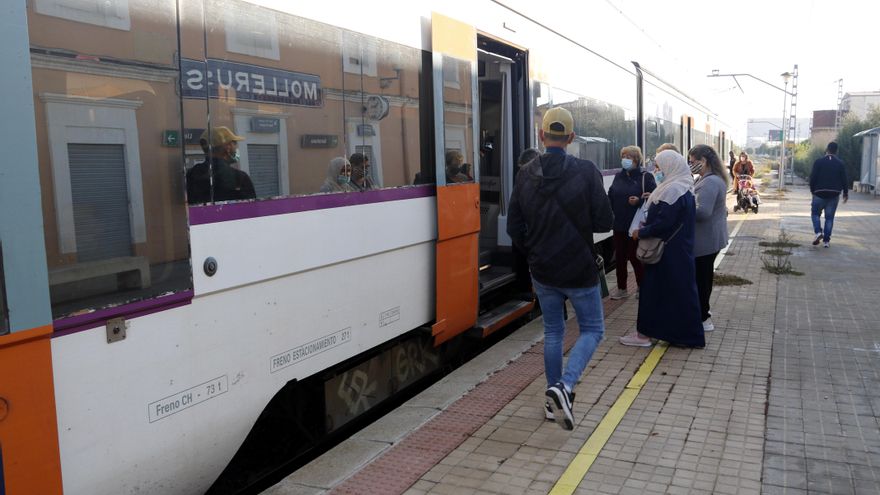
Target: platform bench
x,y
132,272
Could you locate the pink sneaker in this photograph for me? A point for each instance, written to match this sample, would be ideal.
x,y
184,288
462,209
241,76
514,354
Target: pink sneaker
x,y
635,339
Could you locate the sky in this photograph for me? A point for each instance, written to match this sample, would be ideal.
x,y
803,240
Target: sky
x,y
685,40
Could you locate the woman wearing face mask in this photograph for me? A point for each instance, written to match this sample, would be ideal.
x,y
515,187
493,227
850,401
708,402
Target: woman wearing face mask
x,y
627,193
669,308
743,167
711,228
338,176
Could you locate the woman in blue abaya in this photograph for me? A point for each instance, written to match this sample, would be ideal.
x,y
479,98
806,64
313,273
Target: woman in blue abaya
x,y
669,307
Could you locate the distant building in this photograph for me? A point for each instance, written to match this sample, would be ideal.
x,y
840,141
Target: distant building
x,y
758,130
860,103
823,131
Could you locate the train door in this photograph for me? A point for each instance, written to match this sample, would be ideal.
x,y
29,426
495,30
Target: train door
x,y
503,87
458,195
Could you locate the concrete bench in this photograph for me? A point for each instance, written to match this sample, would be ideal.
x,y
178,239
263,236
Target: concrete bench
x,y
97,277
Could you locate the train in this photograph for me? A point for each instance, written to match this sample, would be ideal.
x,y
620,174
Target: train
x,y
153,344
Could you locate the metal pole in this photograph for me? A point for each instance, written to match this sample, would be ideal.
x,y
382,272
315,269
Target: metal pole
x,y
782,147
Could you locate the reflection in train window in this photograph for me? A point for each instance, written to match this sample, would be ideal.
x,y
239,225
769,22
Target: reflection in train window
x,y
108,135
302,94
601,129
458,122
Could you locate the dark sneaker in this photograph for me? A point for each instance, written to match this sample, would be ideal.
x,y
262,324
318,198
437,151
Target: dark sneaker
x,y
560,403
817,240
548,409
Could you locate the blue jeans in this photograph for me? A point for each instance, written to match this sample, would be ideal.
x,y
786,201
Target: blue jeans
x,y
587,303
830,207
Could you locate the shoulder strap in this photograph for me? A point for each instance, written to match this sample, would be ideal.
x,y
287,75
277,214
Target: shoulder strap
x,y
571,218
676,231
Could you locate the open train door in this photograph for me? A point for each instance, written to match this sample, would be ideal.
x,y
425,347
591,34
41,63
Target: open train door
x,y
454,47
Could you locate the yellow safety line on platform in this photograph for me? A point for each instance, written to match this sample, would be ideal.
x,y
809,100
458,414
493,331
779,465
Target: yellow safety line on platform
x,y
582,461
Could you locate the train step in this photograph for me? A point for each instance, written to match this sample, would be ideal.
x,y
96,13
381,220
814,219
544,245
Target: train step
x,y
501,316
495,277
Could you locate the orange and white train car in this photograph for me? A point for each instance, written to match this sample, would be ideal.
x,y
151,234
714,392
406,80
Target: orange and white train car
x,y
149,345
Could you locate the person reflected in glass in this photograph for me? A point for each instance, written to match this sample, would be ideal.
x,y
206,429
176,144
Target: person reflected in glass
x,y
631,186
454,161
338,176
229,183
361,179
669,306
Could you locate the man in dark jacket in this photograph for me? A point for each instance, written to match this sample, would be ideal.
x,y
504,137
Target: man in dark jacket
x,y
557,204
216,179
827,180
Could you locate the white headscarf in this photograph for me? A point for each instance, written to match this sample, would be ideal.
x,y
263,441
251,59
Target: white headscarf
x,y
677,178
331,183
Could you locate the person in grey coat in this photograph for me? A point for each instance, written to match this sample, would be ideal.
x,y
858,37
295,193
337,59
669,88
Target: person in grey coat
x,y
710,235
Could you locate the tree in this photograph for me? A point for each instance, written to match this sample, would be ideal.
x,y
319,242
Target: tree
x,y
805,153
850,149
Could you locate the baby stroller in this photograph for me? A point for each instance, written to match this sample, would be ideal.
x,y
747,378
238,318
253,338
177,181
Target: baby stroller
x,y
746,195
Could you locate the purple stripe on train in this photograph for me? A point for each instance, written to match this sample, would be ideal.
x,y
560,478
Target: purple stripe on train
x,y
72,324
204,214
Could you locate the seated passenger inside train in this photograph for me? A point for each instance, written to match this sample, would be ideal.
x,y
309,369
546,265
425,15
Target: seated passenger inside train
x,y
454,162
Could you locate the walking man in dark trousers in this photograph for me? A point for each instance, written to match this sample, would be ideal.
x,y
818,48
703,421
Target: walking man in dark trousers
x,y
827,180
557,204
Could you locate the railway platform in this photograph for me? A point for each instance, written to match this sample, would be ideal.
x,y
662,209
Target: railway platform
x,y
783,399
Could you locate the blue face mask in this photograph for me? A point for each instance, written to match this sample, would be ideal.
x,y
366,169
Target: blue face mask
x,y
343,179
626,163
659,177
235,156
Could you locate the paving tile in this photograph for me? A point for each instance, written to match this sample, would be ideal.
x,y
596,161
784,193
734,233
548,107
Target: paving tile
x,y
778,401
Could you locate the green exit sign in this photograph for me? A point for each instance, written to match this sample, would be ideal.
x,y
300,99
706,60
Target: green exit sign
x,y
171,138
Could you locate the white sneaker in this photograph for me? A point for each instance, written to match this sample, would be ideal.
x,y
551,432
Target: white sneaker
x,y
635,339
620,294
827,245
708,326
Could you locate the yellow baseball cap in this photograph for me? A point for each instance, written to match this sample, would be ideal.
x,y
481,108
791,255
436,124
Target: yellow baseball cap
x,y
220,135
558,122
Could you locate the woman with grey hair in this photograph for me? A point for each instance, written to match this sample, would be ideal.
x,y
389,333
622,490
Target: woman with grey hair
x,y
711,227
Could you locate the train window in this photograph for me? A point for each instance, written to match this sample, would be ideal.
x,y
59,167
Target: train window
x,y
312,108
601,128
458,120
109,147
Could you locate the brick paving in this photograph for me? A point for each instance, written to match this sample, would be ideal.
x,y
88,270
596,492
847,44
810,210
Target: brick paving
x,y
782,400
822,426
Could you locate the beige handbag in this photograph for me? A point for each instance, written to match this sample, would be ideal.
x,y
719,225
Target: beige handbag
x,y
650,250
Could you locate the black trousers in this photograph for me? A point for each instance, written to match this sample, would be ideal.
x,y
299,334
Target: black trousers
x,y
705,272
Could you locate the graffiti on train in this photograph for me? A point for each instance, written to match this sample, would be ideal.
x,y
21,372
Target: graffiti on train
x,y
367,384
